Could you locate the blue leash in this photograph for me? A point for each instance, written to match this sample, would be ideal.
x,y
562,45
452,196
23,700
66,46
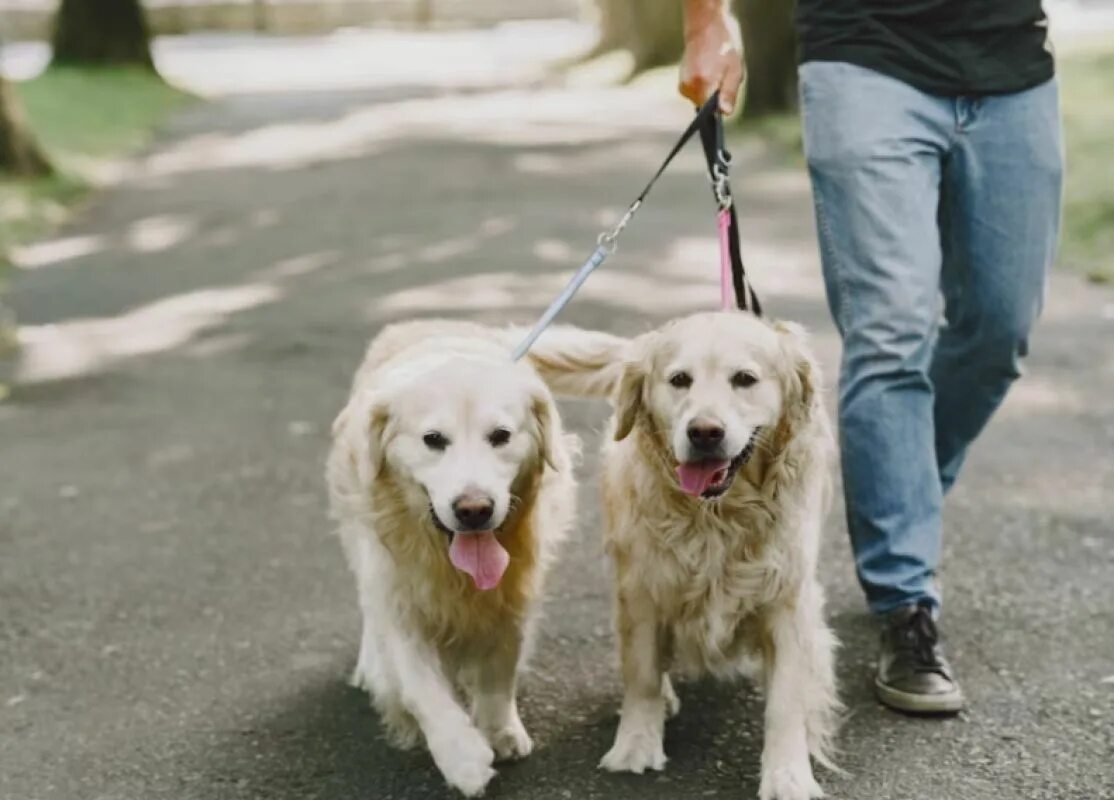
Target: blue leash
x,y
605,248
706,119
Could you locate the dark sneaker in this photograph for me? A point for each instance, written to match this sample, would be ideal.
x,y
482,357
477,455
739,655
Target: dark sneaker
x,y
913,675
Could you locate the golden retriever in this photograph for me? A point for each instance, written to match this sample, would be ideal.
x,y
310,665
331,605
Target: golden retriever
x,y
451,481
715,483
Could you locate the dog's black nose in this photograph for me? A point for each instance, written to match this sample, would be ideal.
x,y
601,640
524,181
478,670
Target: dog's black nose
x,y
474,511
705,434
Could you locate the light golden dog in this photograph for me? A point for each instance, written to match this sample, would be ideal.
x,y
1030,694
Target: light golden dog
x,y
451,481
715,482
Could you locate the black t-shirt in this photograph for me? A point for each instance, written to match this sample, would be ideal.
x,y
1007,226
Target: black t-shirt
x,y
944,47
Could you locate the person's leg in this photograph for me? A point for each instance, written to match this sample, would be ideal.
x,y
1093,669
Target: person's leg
x,y
999,223
874,147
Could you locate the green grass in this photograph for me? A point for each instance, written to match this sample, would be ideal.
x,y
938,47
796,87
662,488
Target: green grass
x,y
82,117
97,113
1087,85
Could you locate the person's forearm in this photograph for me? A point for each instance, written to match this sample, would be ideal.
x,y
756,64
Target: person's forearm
x,y
712,60
698,14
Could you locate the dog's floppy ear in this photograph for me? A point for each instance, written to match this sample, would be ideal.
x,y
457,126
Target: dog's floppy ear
x,y
362,426
546,428
801,376
628,398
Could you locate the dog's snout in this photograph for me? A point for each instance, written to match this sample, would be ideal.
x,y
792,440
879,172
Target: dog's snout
x,y
474,511
705,434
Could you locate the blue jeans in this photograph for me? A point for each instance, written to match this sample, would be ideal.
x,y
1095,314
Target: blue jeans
x,y
938,219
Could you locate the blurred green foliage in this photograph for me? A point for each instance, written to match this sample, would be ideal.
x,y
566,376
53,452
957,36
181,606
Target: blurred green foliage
x,y
1087,94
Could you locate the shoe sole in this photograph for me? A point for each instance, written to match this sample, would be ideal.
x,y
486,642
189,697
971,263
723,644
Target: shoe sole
x,y
946,703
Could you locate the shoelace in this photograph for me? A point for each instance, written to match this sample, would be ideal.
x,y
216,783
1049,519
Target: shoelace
x,y
921,636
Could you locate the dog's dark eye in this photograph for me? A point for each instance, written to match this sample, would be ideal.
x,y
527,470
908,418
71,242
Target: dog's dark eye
x,y
680,380
499,437
435,440
743,379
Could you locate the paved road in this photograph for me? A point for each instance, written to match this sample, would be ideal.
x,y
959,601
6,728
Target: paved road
x,y
175,619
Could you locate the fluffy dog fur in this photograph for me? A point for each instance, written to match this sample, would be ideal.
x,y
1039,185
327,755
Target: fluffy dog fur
x,y
438,655
721,585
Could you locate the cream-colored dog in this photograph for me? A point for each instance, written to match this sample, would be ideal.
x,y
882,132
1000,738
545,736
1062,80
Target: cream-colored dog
x,y
452,483
715,482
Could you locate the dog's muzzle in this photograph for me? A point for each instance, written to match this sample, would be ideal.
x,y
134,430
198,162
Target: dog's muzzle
x,y
711,477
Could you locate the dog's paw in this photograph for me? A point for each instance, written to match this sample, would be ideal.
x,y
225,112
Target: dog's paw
x,y
465,761
787,783
470,779
635,752
511,742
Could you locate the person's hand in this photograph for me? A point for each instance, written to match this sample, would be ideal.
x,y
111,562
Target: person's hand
x,y
713,57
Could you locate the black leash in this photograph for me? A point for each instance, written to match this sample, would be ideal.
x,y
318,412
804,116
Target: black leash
x,y
719,163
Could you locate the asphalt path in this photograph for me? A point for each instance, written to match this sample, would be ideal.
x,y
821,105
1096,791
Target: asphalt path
x,y
176,620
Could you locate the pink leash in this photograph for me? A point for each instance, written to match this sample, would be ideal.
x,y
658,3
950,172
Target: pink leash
x,y
726,288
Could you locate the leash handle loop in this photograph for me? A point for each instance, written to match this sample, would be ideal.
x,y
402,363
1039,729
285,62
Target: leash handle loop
x,y
731,258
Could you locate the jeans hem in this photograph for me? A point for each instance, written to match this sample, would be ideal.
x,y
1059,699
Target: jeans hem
x,y
883,608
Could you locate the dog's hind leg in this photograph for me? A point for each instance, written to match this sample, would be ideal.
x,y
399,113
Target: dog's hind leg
x,y
495,707
672,701
374,674
365,675
399,725
369,672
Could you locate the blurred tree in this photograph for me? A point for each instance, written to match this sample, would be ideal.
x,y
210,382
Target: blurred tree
x,y
20,155
652,31
102,32
770,45
649,29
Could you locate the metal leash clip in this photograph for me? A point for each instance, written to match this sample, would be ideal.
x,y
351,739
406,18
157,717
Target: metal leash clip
x,y
720,184
609,239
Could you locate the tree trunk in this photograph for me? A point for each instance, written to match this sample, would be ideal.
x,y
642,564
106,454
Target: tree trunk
x,y
20,156
101,32
650,30
423,13
771,56
614,24
657,35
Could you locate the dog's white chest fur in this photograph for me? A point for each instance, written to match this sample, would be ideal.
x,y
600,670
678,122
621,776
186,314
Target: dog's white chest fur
x,y
709,577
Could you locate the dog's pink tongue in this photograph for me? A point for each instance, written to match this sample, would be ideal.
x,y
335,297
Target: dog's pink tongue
x,y
697,476
481,556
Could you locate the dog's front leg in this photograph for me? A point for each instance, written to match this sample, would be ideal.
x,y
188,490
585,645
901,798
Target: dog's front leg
x,y
495,708
799,695
638,742
458,748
